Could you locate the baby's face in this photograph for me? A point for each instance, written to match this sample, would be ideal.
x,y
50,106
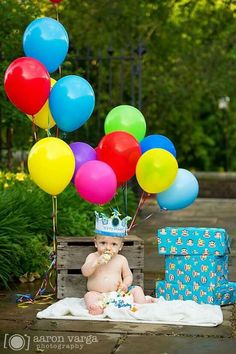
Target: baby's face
x,y
108,244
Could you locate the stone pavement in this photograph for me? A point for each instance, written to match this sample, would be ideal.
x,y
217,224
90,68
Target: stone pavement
x,y
20,331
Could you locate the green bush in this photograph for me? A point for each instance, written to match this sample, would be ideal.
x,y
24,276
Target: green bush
x,y
26,223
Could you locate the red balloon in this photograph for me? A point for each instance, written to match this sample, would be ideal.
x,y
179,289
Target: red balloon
x,y
27,84
121,151
56,1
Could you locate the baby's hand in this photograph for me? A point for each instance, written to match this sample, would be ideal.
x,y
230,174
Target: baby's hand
x,y
105,258
122,287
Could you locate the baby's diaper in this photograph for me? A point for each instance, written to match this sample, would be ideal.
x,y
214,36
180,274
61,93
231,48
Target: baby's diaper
x,y
118,299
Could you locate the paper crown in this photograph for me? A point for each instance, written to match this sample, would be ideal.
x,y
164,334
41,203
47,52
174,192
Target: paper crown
x,y
113,226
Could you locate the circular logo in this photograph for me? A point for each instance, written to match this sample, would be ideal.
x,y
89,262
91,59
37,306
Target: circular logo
x,y
16,342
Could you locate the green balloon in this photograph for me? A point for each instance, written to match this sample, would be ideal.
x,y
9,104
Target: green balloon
x,y
128,119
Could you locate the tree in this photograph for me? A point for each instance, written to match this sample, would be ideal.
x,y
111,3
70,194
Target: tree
x,y
14,128
188,66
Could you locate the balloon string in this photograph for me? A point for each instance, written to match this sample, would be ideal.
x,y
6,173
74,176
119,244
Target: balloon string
x,y
60,70
57,132
111,206
21,299
54,220
49,125
48,128
47,277
57,13
147,217
125,199
34,128
142,200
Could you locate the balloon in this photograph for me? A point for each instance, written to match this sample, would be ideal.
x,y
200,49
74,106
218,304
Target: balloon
x,y
82,153
27,84
46,40
56,1
121,151
157,141
51,165
95,181
126,118
182,192
43,118
156,170
71,102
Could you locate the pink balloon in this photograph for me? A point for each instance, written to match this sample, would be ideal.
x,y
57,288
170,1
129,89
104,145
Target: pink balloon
x,y
95,181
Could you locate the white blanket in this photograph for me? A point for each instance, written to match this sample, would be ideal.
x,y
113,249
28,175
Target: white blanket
x,y
161,312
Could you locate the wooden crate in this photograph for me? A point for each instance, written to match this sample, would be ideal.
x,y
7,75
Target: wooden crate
x,y
71,254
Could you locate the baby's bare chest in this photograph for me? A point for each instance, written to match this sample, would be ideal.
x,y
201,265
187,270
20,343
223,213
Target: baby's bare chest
x,y
113,266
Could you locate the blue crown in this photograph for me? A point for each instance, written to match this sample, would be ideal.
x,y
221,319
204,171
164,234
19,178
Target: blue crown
x,y
113,226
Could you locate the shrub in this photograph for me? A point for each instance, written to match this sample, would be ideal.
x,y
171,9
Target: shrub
x,y
26,222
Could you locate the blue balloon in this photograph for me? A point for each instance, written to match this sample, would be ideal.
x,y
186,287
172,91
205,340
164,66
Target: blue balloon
x,y
71,102
157,141
181,193
46,40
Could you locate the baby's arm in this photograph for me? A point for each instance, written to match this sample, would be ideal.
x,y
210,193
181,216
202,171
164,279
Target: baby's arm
x,y
127,275
90,265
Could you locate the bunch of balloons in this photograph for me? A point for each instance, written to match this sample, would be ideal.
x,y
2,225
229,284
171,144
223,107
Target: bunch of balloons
x,y
69,102
125,151
117,155
122,153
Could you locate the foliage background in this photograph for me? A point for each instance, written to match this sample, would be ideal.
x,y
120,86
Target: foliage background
x,y
188,66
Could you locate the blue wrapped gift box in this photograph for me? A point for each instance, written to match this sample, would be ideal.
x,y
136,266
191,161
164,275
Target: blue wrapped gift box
x,y
193,240
199,269
196,261
220,295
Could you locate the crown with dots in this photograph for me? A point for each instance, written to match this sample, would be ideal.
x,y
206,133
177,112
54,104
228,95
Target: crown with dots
x,y
113,226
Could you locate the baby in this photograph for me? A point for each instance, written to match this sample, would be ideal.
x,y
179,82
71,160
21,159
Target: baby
x,y
108,271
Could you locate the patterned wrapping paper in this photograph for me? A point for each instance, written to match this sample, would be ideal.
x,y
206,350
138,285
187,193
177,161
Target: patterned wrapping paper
x,y
193,240
198,269
196,261
221,295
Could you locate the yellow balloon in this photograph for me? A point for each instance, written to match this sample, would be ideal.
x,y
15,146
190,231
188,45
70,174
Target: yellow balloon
x,y
51,165
43,118
156,170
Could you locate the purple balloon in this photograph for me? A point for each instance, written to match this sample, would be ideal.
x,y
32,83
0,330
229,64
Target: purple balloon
x,y
82,153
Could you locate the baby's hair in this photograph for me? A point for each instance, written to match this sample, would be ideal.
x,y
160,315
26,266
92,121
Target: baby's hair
x,y
97,236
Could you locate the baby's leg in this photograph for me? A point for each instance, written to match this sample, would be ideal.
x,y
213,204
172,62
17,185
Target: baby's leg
x,y
91,299
139,296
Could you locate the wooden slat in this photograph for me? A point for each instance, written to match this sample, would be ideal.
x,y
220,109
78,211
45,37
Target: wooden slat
x,y
74,285
66,240
73,257
78,239
71,285
134,255
138,278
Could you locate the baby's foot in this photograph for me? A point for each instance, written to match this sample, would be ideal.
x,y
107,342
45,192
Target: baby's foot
x,y
95,310
150,300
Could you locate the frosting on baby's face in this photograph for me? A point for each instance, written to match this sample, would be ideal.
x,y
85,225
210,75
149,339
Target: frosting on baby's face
x,y
108,245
